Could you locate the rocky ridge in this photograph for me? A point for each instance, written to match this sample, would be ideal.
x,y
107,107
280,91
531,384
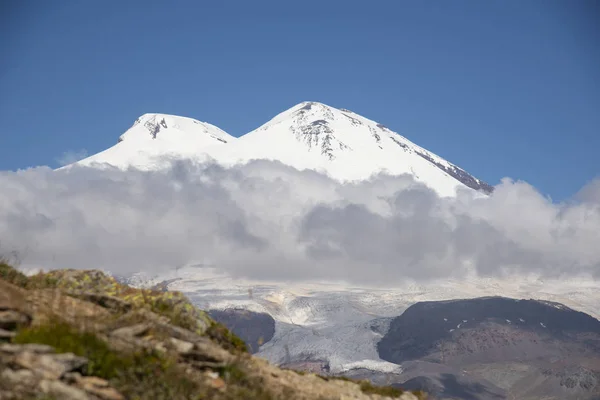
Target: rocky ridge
x,y
81,335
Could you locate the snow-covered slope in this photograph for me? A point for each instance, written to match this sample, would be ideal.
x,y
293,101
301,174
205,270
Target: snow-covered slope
x,y
345,146
310,135
341,325
155,139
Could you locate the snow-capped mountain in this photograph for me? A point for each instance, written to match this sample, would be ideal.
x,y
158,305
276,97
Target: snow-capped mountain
x,y
324,323
155,139
310,135
345,146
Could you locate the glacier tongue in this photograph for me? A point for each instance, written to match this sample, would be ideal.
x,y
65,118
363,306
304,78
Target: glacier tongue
x,y
309,136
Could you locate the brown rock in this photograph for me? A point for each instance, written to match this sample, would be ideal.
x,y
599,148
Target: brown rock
x,y
11,297
218,383
92,381
62,391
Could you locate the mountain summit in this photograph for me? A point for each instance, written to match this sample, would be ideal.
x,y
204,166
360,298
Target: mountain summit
x,y
310,135
155,139
345,146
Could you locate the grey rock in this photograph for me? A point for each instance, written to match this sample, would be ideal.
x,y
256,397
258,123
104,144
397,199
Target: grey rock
x,y
11,319
4,334
18,378
62,391
207,352
10,348
106,301
127,343
99,388
408,396
71,377
177,332
50,366
207,365
132,331
181,346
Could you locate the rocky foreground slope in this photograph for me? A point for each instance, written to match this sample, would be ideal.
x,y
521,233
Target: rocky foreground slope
x,y
81,335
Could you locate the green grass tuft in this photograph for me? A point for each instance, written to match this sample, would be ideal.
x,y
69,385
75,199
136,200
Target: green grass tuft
x,y
12,275
224,337
368,388
139,375
241,384
17,278
103,362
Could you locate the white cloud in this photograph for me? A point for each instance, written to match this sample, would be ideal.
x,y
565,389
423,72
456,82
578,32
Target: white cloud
x,y
590,193
269,221
71,156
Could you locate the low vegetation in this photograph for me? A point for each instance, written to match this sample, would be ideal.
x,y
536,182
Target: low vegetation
x,y
141,374
223,336
368,388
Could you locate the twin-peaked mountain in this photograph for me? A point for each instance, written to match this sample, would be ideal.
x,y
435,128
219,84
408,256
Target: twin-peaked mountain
x,y
310,135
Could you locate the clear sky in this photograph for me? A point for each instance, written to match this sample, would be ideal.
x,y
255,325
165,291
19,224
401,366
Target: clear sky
x,y
501,88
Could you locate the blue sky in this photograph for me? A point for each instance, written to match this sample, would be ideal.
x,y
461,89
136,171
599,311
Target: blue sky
x,y
501,88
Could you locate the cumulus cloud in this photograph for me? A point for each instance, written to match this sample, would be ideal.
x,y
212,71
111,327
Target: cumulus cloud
x,y
590,193
71,156
269,221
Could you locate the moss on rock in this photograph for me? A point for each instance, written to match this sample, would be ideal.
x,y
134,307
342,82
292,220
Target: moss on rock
x,y
141,374
173,305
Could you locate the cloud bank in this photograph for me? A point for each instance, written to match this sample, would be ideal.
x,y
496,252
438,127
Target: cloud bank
x,y
268,221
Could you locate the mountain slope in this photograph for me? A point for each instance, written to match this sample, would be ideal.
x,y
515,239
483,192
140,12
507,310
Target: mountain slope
x,y
310,135
532,349
155,139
